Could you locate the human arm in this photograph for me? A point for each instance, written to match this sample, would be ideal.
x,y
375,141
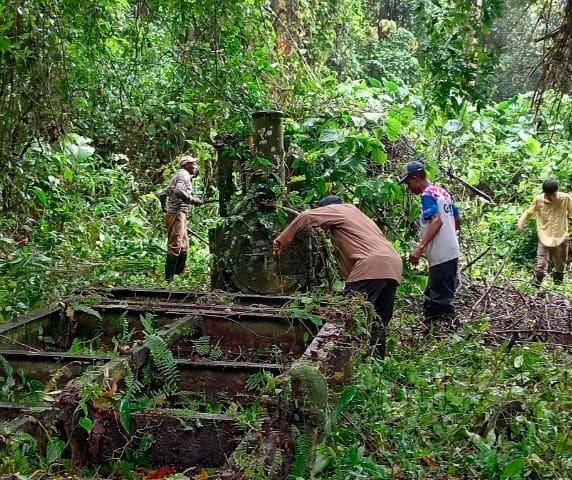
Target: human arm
x,y
430,214
182,189
317,217
435,225
190,199
529,212
457,216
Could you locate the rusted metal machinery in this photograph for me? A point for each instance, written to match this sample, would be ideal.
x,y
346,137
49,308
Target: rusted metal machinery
x,y
258,341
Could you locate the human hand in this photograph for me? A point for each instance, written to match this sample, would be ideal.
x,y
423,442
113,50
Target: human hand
x,y
519,227
415,255
277,247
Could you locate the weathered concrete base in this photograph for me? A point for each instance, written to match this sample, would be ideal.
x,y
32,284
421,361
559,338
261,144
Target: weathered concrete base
x,y
180,440
186,438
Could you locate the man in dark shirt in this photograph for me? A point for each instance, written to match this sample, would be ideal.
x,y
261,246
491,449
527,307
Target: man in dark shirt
x,y
369,263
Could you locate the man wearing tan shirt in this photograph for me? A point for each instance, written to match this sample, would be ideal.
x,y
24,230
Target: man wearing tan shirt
x,y
553,211
368,262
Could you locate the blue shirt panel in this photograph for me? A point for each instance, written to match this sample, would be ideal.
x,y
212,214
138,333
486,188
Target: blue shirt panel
x,y
429,207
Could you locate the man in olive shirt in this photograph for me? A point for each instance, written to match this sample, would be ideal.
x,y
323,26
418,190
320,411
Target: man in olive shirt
x,y
553,211
368,262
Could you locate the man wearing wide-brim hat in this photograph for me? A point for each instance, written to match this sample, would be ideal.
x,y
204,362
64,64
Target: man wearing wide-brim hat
x,y
439,242
179,199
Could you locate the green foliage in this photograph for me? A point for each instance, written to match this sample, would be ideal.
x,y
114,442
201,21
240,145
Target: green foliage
x,y
261,380
15,386
472,411
204,348
19,452
163,362
301,462
457,59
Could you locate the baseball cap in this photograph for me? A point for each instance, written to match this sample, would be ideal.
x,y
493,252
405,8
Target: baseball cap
x,y
187,159
329,200
409,169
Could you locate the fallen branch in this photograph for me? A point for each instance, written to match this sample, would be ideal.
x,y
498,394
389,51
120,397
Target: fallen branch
x,y
472,262
475,190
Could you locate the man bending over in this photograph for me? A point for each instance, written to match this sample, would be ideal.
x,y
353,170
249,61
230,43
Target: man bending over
x,y
368,262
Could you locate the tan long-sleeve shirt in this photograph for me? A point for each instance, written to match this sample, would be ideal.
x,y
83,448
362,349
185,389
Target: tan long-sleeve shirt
x,y
362,250
552,218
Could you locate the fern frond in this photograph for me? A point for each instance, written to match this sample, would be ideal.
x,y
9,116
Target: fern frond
x,y
132,385
303,455
164,362
202,345
148,322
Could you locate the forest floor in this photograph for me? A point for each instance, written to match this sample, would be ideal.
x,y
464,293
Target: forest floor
x,y
491,400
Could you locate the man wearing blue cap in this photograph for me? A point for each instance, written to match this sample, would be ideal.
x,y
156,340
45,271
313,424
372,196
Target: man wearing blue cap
x,y
440,222
368,262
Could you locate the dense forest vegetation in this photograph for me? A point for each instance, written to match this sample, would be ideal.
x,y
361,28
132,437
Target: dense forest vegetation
x,y
98,98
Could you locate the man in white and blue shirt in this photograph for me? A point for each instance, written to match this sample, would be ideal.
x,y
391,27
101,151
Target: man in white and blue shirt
x,y
440,221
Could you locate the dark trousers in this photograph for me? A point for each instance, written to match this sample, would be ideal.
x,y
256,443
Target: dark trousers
x,y
440,289
381,294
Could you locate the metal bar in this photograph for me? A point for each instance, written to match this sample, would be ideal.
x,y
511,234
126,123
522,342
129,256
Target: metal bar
x,y
52,356
176,309
222,365
193,296
30,317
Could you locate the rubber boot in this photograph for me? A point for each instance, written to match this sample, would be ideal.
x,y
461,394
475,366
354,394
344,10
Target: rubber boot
x,y
557,278
170,265
538,277
181,262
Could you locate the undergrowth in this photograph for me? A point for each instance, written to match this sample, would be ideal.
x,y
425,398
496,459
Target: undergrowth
x,y
454,408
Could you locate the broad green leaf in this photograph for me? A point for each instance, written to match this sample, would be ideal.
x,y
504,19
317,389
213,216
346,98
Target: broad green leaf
x,y
78,152
41,196
320,185
518,361
316,320
264,161
393,128
532,146
80,307
54,450
474,176
379,156
358,121
372,117
4,43
452,126
68,174
514,467
310,122
331,151
125,414
479,125
405,115
86,424
330,135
